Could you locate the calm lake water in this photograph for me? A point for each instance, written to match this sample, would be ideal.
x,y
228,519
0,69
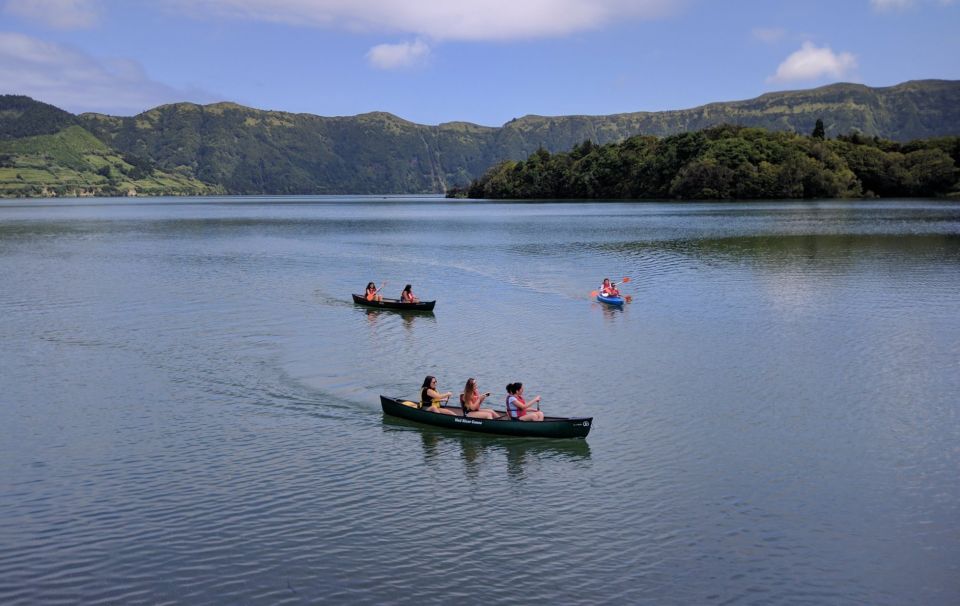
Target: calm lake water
x,y
189,402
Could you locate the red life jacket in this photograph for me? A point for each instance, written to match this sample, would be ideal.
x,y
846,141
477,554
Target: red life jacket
x,y
510,409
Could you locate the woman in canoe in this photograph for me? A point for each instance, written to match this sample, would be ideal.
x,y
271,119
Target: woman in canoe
x,y
518,408
471,399
609,290
431,399
407,295
373,293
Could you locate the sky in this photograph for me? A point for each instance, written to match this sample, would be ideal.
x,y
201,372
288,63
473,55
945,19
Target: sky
x,y
479,61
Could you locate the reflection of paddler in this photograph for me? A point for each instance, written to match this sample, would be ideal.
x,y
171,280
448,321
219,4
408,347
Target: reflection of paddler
x,y
431,399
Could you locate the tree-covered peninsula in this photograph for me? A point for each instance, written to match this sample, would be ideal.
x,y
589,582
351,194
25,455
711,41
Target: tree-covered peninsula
x,y
730,162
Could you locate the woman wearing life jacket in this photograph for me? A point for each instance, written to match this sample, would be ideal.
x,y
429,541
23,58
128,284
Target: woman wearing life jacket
x,y
518,408
431,399
407,295
471,400
609,290
373,293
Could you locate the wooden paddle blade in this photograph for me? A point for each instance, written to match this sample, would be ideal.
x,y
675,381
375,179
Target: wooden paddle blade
x,y
593,293
625,280
629,298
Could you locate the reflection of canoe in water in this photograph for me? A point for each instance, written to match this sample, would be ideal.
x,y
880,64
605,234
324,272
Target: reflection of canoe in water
x,y
550,427
394,304
610,300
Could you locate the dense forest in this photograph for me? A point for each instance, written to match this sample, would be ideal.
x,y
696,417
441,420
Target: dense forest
x,y
730,162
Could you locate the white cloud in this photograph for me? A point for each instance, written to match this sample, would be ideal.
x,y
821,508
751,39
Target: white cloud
x,y
812,63
889,5
393,56
769,35
59,14
77,82
440,19
898,5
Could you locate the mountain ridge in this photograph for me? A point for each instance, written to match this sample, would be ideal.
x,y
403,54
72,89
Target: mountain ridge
x,y
244,150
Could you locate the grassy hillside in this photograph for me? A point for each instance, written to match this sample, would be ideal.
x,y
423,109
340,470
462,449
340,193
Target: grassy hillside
x,y
241,150
73,162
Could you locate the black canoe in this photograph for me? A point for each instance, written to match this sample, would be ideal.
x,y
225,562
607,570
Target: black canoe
x,y
550,427
394,304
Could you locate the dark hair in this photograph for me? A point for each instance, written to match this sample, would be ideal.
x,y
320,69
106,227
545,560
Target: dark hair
x,y
426,382
371,285
407,288
514,387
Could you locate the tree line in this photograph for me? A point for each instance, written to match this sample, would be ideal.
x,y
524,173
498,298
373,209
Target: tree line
x,y
730,162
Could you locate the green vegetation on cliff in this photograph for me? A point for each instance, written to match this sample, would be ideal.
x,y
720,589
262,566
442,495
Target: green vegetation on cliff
x,y
73,162
730,162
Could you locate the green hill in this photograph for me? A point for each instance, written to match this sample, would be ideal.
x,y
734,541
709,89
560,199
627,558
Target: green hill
x,y
21,116
251,151
241,150
73,162
912,110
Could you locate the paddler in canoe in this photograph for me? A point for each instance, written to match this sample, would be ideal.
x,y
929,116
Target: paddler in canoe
x,y
407,295
519,409
431,399
471,399
373,293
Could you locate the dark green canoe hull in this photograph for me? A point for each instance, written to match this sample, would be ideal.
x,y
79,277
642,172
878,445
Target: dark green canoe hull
x,y
550,427
394,304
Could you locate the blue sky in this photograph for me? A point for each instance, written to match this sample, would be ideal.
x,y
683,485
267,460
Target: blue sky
x,y
485,61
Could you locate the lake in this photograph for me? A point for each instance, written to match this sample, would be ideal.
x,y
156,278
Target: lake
x,y
189,404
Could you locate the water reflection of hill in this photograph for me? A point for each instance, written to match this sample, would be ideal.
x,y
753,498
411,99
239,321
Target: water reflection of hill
x,y
477,450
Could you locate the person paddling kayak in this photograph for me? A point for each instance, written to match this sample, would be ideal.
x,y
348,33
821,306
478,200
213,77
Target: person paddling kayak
x,y
608,289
